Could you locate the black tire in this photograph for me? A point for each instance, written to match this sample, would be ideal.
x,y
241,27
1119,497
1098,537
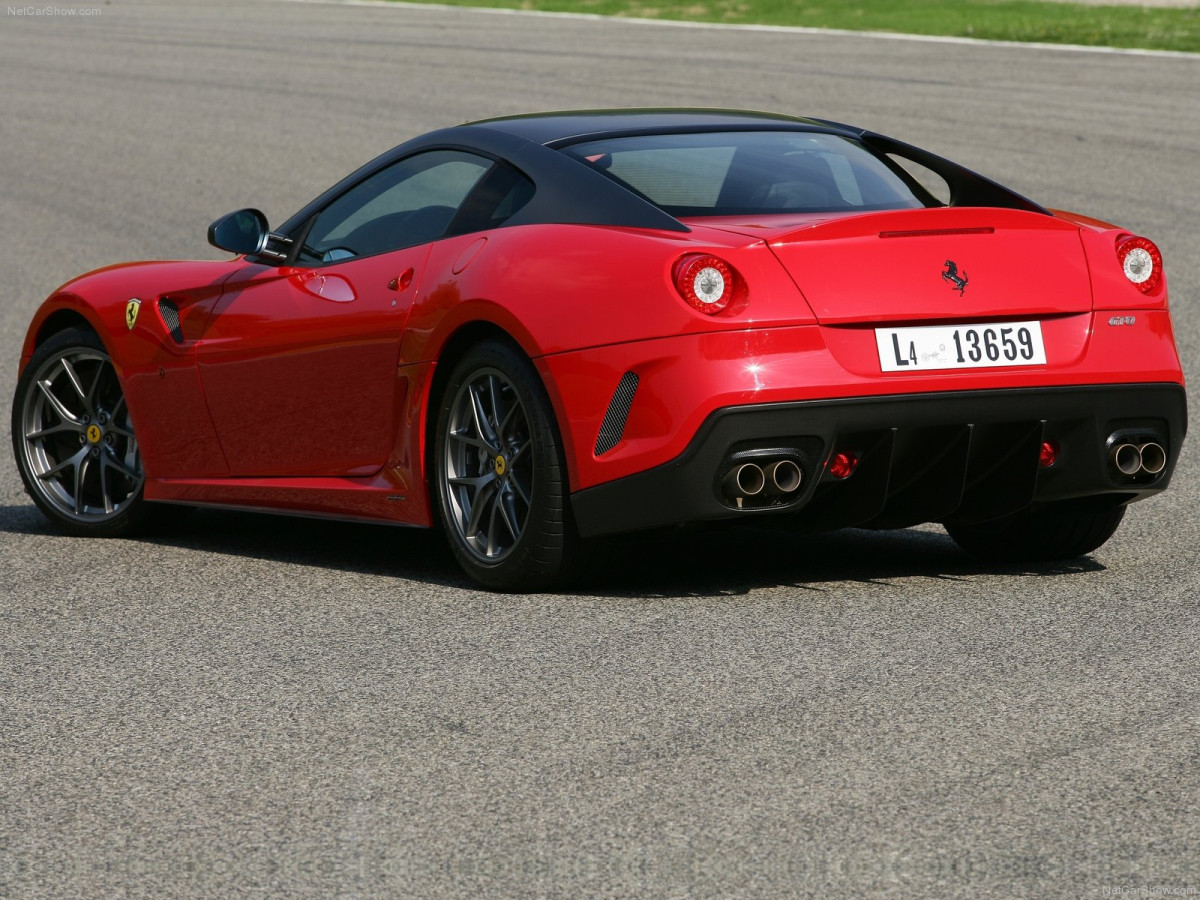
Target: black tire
x,y
1048,534
499,475
74,441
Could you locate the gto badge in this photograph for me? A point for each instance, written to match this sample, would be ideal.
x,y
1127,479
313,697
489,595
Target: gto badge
x,y
132,308
1117,321
951,277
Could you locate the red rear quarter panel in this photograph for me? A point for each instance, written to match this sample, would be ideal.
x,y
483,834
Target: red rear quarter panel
x,y
557,288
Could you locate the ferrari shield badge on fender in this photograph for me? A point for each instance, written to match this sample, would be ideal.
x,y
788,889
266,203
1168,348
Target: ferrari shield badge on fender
x,y
132,308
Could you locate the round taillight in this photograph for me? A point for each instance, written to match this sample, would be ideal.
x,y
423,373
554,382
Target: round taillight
x,y
1048,454
707,283
1141,262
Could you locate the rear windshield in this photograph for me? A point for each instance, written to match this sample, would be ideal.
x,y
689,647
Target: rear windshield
x,y
756,172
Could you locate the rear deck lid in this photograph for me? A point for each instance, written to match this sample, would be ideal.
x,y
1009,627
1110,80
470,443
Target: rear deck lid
x,y
950,264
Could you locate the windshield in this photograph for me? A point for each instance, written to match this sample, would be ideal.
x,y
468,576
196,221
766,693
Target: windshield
x,y
755,172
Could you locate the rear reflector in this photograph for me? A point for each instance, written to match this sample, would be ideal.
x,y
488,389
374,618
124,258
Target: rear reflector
x,y
843,464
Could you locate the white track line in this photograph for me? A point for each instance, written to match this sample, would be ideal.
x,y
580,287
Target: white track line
x,y
770,29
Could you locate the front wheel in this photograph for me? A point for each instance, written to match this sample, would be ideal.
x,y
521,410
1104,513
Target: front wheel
x,y
74,440
499,475
1046,534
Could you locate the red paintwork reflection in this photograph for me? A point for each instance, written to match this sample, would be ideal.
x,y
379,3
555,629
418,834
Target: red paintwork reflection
x,y
299,367
310,390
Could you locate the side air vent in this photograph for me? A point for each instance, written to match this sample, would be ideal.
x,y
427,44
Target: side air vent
x,y
170,316
613,425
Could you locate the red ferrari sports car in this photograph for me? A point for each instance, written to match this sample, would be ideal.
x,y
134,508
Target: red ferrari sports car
x,y
542,329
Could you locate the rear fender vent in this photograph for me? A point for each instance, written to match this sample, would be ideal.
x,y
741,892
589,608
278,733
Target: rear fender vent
x,y
613,426
170,316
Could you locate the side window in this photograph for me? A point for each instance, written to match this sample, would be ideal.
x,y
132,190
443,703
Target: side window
x,y
410,202
498,196
933,183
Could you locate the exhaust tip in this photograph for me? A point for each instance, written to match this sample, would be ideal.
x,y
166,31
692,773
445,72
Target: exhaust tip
x,y
745,480
785,476
1127,458
1153,458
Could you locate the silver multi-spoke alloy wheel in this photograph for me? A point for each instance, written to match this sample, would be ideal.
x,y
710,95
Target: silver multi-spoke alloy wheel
x,y
78,449
488,467
498,474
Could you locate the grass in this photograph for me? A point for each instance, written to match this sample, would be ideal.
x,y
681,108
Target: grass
x,y
1006,20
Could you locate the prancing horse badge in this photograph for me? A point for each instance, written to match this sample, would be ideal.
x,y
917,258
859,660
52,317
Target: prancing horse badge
x,y
132,308
950,276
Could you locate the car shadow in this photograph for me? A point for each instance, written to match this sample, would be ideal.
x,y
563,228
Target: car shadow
x,y
702,562
415,553
739,559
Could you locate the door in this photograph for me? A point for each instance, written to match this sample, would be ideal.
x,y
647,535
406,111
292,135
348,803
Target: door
x,y
299,361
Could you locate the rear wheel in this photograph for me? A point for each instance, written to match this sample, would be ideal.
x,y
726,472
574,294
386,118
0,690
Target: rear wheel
x,y
74,440
499,473
1047,534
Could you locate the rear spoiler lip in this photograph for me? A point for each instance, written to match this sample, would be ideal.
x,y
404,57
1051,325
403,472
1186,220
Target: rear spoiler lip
x,y
945,221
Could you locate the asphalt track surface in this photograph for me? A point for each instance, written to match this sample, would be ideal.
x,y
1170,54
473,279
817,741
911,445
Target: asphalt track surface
x,y
254,705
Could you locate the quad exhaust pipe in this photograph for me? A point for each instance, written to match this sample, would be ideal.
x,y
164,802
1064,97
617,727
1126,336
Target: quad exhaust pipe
x,y
1127,458
1154,458
783,477
1138,459
745,480
748,479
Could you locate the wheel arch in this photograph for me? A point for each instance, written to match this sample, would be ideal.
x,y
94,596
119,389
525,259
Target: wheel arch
x,y
63,313
453,349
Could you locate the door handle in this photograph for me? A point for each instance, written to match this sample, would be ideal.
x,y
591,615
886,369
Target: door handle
x,y
401,281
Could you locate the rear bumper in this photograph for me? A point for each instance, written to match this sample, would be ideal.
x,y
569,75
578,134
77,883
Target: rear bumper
x,y
948,456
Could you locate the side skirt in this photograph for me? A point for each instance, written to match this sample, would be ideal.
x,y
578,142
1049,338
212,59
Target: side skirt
x,y
375,499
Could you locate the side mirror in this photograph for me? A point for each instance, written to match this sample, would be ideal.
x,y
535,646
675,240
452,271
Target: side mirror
x,y
243,232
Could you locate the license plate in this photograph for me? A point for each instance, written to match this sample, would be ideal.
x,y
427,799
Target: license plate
x,y
960,346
